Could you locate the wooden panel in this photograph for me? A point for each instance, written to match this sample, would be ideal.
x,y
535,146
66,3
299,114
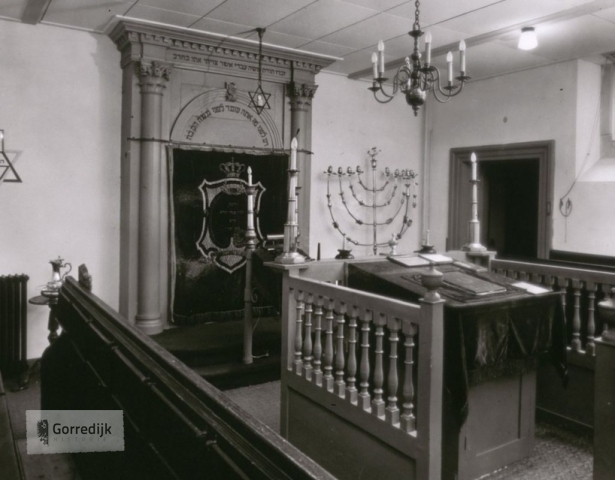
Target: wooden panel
x,y
494,437
341,447
604,440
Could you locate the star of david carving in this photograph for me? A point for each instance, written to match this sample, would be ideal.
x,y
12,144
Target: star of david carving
x,y
7,167
253,99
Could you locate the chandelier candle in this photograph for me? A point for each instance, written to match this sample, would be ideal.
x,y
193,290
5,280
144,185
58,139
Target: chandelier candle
x,y
462,57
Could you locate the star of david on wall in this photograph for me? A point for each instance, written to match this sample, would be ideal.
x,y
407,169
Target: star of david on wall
x,y
7,167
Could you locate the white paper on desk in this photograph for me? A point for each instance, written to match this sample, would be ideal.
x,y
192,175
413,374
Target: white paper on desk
x,y
530,288
409,261
436,258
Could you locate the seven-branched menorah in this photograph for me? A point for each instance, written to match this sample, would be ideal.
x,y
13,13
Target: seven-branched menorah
x,y
389,188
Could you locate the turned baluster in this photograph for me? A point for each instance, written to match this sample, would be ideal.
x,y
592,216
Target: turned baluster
x,y
377,403
562,286
351,389
298,332
575,345
392,411
340,385
328,369
590,346
317,352
364,397
408,420
606,289
307,341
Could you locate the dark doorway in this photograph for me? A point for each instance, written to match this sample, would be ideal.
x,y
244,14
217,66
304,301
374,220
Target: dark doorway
x,y
510,207
514,196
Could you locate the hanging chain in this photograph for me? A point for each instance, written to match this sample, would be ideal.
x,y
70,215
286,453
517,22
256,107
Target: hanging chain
x,y
260,31
417,12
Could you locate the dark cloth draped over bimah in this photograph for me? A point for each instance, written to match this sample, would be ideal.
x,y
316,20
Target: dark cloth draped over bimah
x,y
486,336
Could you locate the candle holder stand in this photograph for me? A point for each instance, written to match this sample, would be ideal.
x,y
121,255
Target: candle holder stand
x,y
290,254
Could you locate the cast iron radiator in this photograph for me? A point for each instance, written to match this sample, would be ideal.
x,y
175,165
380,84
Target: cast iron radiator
x,y
13,322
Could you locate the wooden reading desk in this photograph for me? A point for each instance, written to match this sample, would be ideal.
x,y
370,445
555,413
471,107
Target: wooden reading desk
x,y
493,333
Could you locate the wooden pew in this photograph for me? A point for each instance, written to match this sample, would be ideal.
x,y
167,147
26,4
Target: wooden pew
x,y
10,466
176,424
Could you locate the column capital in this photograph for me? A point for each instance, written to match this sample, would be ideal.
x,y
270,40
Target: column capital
x,y
303,91
153,76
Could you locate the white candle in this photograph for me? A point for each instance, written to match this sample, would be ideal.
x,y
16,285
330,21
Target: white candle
x,y
462,56
381,57
428,48
293,154
249,176
427,240
1,140
473,161
449,60
375,65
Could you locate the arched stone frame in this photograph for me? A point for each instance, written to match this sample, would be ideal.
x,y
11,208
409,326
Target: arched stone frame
x,y
199,111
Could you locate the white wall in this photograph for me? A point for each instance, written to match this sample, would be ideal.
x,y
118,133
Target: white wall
x,y
556,102
346,123
60,106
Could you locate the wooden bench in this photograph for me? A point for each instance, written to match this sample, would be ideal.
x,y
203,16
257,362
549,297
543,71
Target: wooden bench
x,y
176,424
9,458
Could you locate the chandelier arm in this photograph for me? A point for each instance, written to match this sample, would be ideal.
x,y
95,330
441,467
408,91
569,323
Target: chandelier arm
x,y
383,101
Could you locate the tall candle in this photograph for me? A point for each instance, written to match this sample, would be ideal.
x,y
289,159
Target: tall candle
x,y
449,60
293,154
428,48
473,161
381,57
1,140
375,64
427,240
250,225
462,56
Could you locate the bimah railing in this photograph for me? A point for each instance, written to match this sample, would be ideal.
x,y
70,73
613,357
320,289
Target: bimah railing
x,y
369,360
581,289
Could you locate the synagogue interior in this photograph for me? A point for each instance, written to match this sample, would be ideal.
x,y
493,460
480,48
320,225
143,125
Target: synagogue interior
x,y
308,239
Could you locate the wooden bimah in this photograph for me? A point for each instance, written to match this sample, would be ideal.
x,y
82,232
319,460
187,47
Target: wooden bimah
x,y
357,361
494,331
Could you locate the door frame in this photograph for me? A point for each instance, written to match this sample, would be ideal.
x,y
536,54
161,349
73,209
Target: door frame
x,y
459,170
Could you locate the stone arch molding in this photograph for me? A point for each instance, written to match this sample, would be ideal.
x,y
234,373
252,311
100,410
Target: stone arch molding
x,y
211,119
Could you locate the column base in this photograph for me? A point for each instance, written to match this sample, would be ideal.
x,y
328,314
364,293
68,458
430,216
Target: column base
x,y
149,324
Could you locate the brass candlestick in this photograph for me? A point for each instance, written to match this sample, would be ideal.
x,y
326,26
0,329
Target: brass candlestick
x,y
290,255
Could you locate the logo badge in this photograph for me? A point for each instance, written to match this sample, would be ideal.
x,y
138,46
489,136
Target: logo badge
x,y
74,431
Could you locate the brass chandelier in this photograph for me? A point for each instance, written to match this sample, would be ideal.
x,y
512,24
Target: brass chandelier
x,y
417,78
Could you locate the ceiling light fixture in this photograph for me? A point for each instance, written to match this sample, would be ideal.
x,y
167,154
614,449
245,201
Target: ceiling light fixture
x,y
415,78
259,100
527,40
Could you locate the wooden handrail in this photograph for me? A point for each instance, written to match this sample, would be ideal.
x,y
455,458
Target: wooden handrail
x,y
209,422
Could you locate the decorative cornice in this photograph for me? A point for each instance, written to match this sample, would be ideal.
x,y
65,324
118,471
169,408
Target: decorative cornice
x,y
127,32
